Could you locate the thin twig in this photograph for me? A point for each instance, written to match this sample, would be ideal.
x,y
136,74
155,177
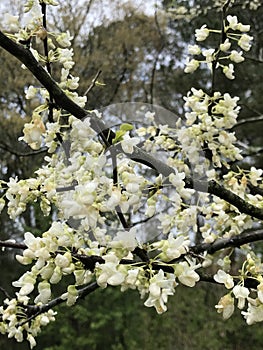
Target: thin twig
x,y
93,82
162,40
21,154
248,121
5,293
253,59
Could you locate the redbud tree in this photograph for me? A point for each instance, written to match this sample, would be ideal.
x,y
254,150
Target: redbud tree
x,y
148,202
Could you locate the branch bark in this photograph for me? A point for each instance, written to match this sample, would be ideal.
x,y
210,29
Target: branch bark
x,y
235,241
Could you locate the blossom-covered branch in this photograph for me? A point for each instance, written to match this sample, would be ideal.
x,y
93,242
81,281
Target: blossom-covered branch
x,y
139,155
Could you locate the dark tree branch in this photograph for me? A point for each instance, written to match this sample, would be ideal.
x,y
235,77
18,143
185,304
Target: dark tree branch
x,y
235,200
121,76
234,242
143,221
13,245
248,282
26,57
156,60
45,43
35,310
222,243
255,190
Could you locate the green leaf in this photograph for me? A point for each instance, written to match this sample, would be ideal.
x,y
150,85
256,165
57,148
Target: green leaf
x,y
118,136
126,127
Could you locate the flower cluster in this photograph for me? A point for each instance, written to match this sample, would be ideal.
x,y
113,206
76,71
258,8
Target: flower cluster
x,y
160,284
55,255
13,317
252,271
207,121
36,135
234,31
19,194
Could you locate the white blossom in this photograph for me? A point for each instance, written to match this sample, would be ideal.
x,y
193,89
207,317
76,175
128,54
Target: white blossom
x,y
128,143
255,175
226,306
254,312
31,92
245,42
185,271
172,247
229,71
236,56
194,50
209,55
225,46
202,33
125,240
260,292
223,277
159,289
72,295
191,65
44,292
233,22
64,39
243,27
241,293
110,272
26,283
